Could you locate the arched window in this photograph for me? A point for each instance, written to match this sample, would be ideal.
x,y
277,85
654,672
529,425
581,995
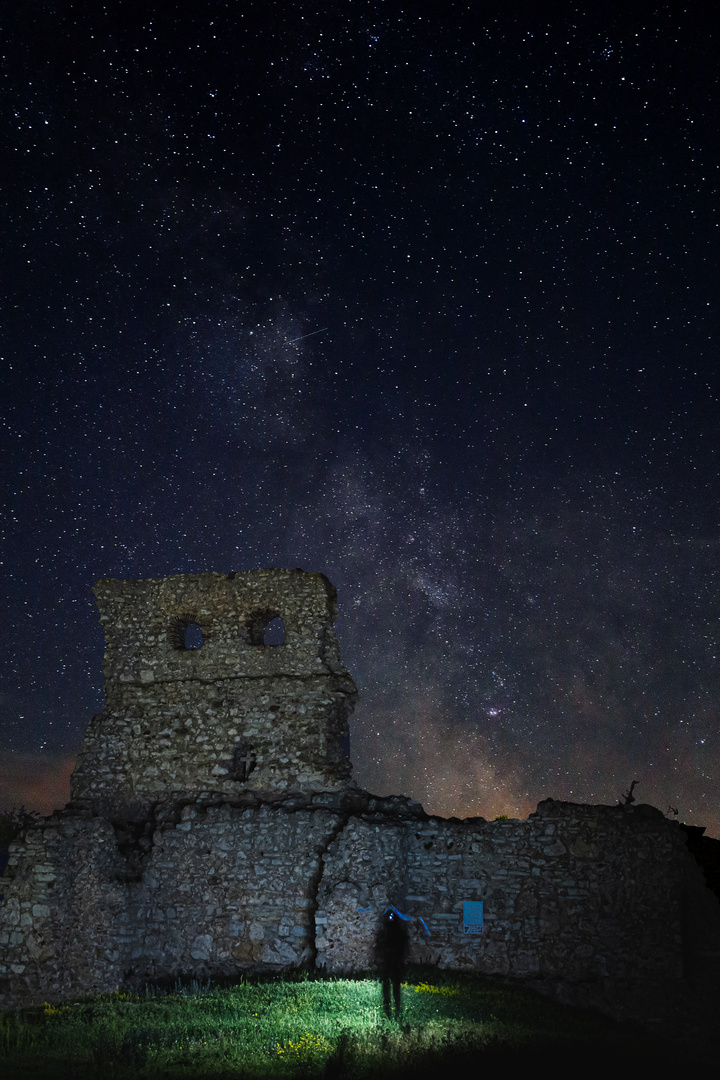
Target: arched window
x,y
274,632
193,636
265,627
186,634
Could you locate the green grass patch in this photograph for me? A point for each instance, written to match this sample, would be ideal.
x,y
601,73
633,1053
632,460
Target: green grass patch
x,y
328,1028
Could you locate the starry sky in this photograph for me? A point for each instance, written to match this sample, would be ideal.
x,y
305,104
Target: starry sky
x,y
418,295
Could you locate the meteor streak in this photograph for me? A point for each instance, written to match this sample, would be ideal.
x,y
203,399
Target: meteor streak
x,y
311,334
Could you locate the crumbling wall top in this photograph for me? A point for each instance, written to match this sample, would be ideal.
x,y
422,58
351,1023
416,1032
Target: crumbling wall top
x,y
146,621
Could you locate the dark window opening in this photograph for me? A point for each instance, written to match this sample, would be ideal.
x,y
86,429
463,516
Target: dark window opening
x,y
274,632
243,762
186,634
193,636
264,627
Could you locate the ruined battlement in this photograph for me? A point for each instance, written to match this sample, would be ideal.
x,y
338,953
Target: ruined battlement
x,y
146,623
200,700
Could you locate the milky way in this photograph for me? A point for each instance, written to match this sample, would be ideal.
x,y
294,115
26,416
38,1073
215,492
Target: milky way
x,y
422,297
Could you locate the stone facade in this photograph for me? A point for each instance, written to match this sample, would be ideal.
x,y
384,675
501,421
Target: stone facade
x,y
233,715
214,830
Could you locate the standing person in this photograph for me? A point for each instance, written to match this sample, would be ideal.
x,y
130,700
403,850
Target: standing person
x,y
391,949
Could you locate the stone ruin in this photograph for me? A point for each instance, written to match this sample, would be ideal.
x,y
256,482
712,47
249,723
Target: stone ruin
x,y
214,830
219,714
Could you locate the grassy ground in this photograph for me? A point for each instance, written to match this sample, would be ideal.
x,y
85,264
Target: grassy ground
x,y
318,1028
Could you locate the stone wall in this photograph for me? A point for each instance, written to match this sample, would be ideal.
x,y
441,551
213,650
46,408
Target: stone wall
x,y
63,912
165,866
231,717
576,895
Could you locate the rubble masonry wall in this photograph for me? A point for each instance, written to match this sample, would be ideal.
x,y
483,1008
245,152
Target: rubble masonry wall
x,y
214,831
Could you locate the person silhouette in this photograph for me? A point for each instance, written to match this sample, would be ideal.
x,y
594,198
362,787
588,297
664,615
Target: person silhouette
x,y
391,949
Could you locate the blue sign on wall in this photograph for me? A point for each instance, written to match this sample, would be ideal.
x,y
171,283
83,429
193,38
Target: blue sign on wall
x,y
473,917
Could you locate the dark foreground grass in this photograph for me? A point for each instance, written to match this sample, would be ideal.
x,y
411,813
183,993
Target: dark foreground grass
x,y
319,1028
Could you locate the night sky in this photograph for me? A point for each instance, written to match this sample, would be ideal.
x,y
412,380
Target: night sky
x,y
421,296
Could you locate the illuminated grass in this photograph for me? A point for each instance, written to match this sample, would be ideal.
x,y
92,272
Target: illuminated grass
x,y
304,1027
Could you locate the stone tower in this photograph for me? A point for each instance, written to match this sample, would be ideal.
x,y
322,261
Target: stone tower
x,y
198,704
